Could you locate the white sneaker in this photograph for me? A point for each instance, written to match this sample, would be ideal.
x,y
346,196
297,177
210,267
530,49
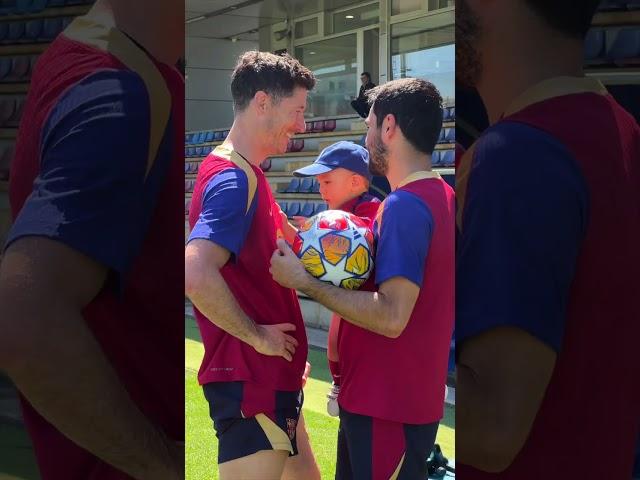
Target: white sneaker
x,y
333,409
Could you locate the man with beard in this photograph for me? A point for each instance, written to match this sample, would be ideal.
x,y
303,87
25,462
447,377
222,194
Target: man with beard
x,y
388,416
549,223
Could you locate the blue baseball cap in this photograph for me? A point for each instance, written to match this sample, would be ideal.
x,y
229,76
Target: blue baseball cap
x,y
344,154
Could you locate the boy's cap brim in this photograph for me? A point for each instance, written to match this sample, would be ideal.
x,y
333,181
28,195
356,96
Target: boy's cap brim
x,y
312,170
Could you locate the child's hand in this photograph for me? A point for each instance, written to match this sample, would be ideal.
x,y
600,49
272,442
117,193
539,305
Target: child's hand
x,y
297,220
289,230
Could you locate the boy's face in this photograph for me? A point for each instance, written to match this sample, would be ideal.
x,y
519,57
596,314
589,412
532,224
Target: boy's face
x,y
339,186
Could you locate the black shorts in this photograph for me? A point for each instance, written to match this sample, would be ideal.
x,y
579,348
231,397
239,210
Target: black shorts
x,y
374,449
248,418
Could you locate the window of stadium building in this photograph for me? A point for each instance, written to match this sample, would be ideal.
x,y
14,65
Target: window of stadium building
x,y
345,20
398,7
429,55
334,62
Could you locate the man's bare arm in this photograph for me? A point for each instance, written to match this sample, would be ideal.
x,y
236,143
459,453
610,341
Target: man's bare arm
x,y
53,358
385,312
206,288
502,376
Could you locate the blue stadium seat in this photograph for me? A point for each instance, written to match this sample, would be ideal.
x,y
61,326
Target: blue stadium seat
x,y
306,185
32,29
450,135
20,67
294,209
435,158
284,206
199,151
208,137
594,44
442,136
452,113
316,186
16,31
446,117
187,138
51,28
5,67
293,186
217,136
224,134
192,152
320,207
307,209
447,158
7,109
625,45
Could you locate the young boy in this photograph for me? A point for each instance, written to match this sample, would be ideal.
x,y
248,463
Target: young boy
x,y
343,173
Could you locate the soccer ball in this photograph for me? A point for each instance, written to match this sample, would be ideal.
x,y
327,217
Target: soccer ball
x,y
336,247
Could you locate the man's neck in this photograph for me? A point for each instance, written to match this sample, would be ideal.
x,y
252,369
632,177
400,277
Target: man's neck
x,y
136,23
404,163
511,68
243,142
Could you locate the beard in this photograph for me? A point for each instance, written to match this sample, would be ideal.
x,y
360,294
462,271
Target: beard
x,y
468,58
378,161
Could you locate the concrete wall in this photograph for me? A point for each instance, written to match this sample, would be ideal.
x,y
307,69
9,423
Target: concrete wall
x,y
209,63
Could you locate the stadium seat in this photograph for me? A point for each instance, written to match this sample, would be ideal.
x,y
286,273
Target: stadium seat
x,y
297,144
187,205
17,113
442,135
16,31
7,109
625,45
66,21
318,126
266,164
447,158
32,30
308,127
293,186
329,125
224,134
315,188
446,115
284,206
452,113
51,28
320,207
450,135
293,210
187,138
20,67
191,152
217,136
208,137
306,185
594,44
307,209
5,67
435,158
198,151
187,167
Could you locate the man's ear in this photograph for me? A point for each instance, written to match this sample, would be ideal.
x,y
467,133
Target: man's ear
x,y
389,127
260,102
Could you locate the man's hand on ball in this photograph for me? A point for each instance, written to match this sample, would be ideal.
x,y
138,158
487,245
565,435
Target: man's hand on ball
x,y
286,267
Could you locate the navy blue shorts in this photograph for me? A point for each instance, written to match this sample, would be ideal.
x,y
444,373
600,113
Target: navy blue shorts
x,y
248,418
374,449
